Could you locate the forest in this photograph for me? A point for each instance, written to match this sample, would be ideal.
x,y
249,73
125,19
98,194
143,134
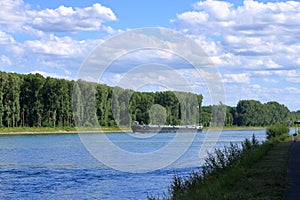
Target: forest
x,y
31,100
252,113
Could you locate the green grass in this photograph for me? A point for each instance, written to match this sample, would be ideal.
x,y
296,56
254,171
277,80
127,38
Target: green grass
x,y
34,129
58,129
96,129
236,128
258,174
265,179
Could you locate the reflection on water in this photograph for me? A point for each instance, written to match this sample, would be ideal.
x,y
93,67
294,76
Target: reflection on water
x,y
59,166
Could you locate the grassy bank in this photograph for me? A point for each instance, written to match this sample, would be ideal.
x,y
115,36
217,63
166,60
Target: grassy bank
x,y
266,178
255,172
39,130
236,128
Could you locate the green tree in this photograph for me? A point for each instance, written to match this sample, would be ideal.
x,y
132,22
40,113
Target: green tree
x,y
3,87
169,100
140,104
120,106
250,113
157,114
31,100
11,100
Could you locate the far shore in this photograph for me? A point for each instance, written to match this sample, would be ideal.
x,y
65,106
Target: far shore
x,y
236,128
40,131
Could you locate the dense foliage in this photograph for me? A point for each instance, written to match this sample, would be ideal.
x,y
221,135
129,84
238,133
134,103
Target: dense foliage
x,y
253,113
277,131
35,101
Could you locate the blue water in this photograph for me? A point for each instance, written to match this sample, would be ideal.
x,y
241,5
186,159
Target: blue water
x,y
60,167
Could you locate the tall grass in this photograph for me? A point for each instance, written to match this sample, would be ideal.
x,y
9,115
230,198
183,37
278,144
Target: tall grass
x,y
219,172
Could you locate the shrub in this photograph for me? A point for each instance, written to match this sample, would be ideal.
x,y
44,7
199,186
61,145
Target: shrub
x,y
277,131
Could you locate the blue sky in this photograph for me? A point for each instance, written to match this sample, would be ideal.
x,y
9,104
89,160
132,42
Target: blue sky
x,y
254,44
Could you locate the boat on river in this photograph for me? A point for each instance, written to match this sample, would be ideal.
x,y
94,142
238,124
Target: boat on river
x,y
137,128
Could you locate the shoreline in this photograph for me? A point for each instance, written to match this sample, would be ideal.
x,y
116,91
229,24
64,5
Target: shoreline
x,y
61,132
235,128
106,130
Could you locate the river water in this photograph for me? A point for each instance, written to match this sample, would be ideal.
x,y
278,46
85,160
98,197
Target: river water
x,y
56,166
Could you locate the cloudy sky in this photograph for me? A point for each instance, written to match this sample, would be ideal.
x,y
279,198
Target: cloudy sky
x,y
254,44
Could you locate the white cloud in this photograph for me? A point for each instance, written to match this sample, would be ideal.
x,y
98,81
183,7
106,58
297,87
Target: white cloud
x,y
285,73
256,86
6,38
68,19
13,14
270,80
16,49
60,55
37,47
293,90
47,74
192,18
218,10
295,79
16,15
65,46
5,60
263,72
272,65
236,78
253,32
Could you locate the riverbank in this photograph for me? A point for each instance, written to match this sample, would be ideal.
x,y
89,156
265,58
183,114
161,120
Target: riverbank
x,y
259,174
58,130
73,130
235,128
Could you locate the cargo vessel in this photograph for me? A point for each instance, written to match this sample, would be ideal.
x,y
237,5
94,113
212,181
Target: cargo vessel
x,y
137,128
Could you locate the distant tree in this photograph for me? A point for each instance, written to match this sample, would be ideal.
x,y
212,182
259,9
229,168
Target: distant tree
x,y
77,103
140,104
218,114
3,88
120,106
205,115
31,100
157,114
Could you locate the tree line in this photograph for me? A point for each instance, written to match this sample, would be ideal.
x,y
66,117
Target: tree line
x,y
252,113
31,100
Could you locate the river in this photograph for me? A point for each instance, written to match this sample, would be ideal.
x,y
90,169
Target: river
x,y
58,166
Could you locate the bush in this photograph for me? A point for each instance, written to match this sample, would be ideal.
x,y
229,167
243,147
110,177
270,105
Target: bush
x,y
277,131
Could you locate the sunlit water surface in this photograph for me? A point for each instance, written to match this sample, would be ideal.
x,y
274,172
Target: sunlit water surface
x,y
60,167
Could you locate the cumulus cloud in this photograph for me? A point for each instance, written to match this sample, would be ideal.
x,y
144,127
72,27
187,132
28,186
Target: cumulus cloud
x,y
16,15
236,78
253,42
62,55
13,14
64,46
68,19
44,49
252,29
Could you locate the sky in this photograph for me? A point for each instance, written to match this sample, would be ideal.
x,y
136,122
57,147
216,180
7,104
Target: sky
x,y
255,45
